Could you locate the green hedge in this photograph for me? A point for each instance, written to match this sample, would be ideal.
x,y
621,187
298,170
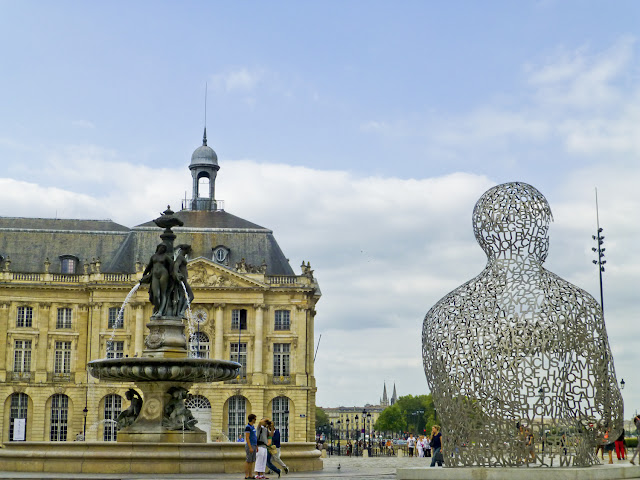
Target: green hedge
x,y
631,442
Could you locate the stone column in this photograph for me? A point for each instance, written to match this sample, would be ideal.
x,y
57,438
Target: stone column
x,y
258,350
218,351
138,308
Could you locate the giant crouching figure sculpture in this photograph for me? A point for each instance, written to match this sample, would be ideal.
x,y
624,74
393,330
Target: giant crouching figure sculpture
x,y
518,356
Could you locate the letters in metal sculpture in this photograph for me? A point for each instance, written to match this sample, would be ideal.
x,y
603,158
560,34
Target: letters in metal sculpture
x,y
517,355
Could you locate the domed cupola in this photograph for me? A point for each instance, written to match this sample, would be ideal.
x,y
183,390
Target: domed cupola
x,y
204,164
204,155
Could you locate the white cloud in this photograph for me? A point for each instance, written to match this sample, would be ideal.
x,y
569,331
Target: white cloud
x,y
582,80
384,249
242,79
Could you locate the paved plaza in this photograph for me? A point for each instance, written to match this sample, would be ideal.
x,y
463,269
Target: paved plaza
x,y
349,468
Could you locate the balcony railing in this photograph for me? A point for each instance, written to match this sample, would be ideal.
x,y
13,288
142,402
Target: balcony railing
x,y
280,380
282,279
65,278
20,376
203,204
117,277
61,377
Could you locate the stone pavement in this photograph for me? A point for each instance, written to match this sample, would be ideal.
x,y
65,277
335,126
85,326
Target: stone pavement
x,y
350,468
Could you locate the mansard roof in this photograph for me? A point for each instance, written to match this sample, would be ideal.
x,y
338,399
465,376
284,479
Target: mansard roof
x,y
28,242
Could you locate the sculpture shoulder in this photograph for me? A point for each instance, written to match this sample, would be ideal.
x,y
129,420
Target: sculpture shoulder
x,y
567,291
463,297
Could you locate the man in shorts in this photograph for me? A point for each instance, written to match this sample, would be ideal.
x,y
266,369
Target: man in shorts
x,y
250,446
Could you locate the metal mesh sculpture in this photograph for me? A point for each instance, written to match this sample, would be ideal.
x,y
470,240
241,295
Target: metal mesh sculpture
x,y
518,353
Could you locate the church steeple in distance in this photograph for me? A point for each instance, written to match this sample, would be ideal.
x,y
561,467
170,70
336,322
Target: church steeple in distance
x,y
385,399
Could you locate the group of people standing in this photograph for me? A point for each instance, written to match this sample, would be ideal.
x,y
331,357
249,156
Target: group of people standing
x,y
424,445
262,448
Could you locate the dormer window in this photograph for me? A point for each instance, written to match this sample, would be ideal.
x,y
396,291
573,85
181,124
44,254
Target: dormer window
x,y
221,255
68,263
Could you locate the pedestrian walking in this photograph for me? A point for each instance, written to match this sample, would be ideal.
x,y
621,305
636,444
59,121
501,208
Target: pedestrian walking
x,y
436,446
620,449
636,421
250,446
263,443
411,444
609,445
273,451
427,446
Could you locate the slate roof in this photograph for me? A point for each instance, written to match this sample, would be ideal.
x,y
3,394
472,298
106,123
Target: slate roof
x,y
61,224
29,241
207,219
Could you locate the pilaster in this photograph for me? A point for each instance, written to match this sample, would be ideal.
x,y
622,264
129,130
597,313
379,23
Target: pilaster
x,y
4,322
258,377
46,317
218,350
138,308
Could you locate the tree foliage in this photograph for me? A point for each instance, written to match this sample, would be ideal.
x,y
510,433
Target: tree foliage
x,y
409,414
321,418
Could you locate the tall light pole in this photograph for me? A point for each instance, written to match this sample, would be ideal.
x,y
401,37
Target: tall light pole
x,y
600,251
331,449
339,435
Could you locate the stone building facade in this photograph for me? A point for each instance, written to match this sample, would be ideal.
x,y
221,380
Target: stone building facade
x,y
62,283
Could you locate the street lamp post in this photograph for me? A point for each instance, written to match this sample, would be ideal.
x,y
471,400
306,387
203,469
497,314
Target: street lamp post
x,y
331,449
370,432
364,429
85,410
355,431
348,434
339,435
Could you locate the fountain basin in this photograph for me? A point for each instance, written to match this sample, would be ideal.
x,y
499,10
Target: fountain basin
x,y
147,369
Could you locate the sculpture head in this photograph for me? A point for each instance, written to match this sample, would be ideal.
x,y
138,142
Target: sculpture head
x,y
512,221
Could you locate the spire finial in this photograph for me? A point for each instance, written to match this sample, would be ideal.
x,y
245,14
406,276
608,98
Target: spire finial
x,y
204,137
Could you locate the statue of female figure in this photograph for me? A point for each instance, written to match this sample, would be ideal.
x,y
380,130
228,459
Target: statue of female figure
x,y
518,345
183,295
128,416
158,275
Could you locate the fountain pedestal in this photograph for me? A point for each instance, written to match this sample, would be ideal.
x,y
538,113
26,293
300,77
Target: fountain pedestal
x,y
149,427
166,338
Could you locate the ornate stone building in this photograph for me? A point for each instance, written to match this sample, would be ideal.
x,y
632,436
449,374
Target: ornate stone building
x,y
63,283
348,421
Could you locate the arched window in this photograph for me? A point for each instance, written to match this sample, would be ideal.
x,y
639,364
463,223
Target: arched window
x,y
68,263
199,345
112,408
203,185
280,416
18,417
201,409
59,415
237,417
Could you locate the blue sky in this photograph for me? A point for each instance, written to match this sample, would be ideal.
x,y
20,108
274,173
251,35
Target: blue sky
x,y
362,133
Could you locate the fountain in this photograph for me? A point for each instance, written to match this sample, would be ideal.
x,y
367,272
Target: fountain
x,y
158,434
165,372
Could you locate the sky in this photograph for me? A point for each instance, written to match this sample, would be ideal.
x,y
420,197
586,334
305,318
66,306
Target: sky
x,y
361,132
